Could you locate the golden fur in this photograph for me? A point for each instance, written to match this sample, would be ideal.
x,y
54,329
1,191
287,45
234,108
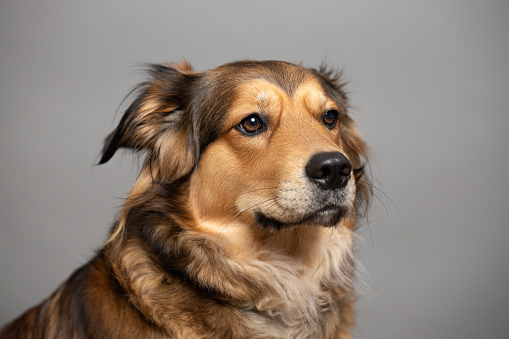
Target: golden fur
x,y
225,234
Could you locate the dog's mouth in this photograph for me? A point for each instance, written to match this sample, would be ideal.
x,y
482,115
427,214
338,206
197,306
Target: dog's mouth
x,y
327,216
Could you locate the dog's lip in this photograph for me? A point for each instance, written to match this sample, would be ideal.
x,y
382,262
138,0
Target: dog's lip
x,y
328,208
327,215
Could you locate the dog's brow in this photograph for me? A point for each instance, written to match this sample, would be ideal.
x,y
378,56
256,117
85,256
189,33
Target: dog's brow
x,y
262,97
314,98
268,100
287,81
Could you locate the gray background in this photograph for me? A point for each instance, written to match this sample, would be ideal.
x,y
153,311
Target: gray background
x,y
430,82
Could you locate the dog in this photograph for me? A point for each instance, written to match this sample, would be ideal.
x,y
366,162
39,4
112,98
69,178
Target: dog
x,y
241,222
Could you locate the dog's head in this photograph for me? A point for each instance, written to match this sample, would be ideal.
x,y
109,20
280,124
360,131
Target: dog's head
x,y
265,144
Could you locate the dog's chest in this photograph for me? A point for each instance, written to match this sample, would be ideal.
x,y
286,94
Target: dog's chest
x,y
308,301
297,321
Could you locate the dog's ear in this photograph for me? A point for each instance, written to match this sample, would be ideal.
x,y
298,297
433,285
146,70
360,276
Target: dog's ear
x,y
158,121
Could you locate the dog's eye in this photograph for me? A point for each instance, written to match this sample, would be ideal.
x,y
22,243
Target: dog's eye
x,y
251,125
330,118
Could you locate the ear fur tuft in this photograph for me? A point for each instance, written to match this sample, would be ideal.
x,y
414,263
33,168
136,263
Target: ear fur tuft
x,y
160,109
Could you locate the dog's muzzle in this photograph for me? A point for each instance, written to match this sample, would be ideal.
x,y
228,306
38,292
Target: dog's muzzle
x,y
323,196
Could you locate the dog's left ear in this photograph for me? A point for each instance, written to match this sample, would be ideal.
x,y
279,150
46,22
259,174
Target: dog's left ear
x,y
158,121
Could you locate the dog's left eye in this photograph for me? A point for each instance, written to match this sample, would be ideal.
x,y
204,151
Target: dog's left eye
x,y
330,118
252,125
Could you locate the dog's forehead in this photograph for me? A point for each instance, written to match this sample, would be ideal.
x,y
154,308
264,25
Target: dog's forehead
x,y
288,77
270,96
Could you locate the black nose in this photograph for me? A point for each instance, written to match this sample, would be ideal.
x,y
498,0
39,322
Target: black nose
x,y
329,170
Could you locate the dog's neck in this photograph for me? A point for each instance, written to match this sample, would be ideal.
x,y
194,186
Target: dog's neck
x,y
306,246
297,273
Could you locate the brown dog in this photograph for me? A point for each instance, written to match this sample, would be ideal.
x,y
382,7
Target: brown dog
x,y
240,224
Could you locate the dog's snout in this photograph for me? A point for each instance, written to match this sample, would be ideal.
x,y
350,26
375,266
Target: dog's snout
x,y
329,170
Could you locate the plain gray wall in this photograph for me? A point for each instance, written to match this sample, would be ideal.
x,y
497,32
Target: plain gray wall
x,y
430,82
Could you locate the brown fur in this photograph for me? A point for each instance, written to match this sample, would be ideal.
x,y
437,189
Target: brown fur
x,y
187,256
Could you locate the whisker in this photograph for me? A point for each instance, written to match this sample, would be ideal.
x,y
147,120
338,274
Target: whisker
x,y
274,179
240,212
274,203
378,194
229,209
257,190
370,233
386,196
283,213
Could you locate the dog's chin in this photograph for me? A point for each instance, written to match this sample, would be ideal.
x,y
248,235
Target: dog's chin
x,y
328,216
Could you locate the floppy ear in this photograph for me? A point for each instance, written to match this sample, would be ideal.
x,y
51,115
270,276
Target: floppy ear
x,y
158,121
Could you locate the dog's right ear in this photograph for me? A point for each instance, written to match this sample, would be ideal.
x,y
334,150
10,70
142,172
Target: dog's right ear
x,y
159,111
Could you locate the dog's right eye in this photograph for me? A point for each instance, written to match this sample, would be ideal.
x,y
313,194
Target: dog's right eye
x,y
251,125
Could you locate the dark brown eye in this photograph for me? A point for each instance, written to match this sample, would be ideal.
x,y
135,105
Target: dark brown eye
x,y
251,125
330,118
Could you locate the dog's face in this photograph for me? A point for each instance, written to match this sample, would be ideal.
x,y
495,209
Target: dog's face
x,y
263,144
279,158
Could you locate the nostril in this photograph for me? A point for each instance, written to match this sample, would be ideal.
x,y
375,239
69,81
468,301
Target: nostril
x,y
329,170
323,172
347,169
